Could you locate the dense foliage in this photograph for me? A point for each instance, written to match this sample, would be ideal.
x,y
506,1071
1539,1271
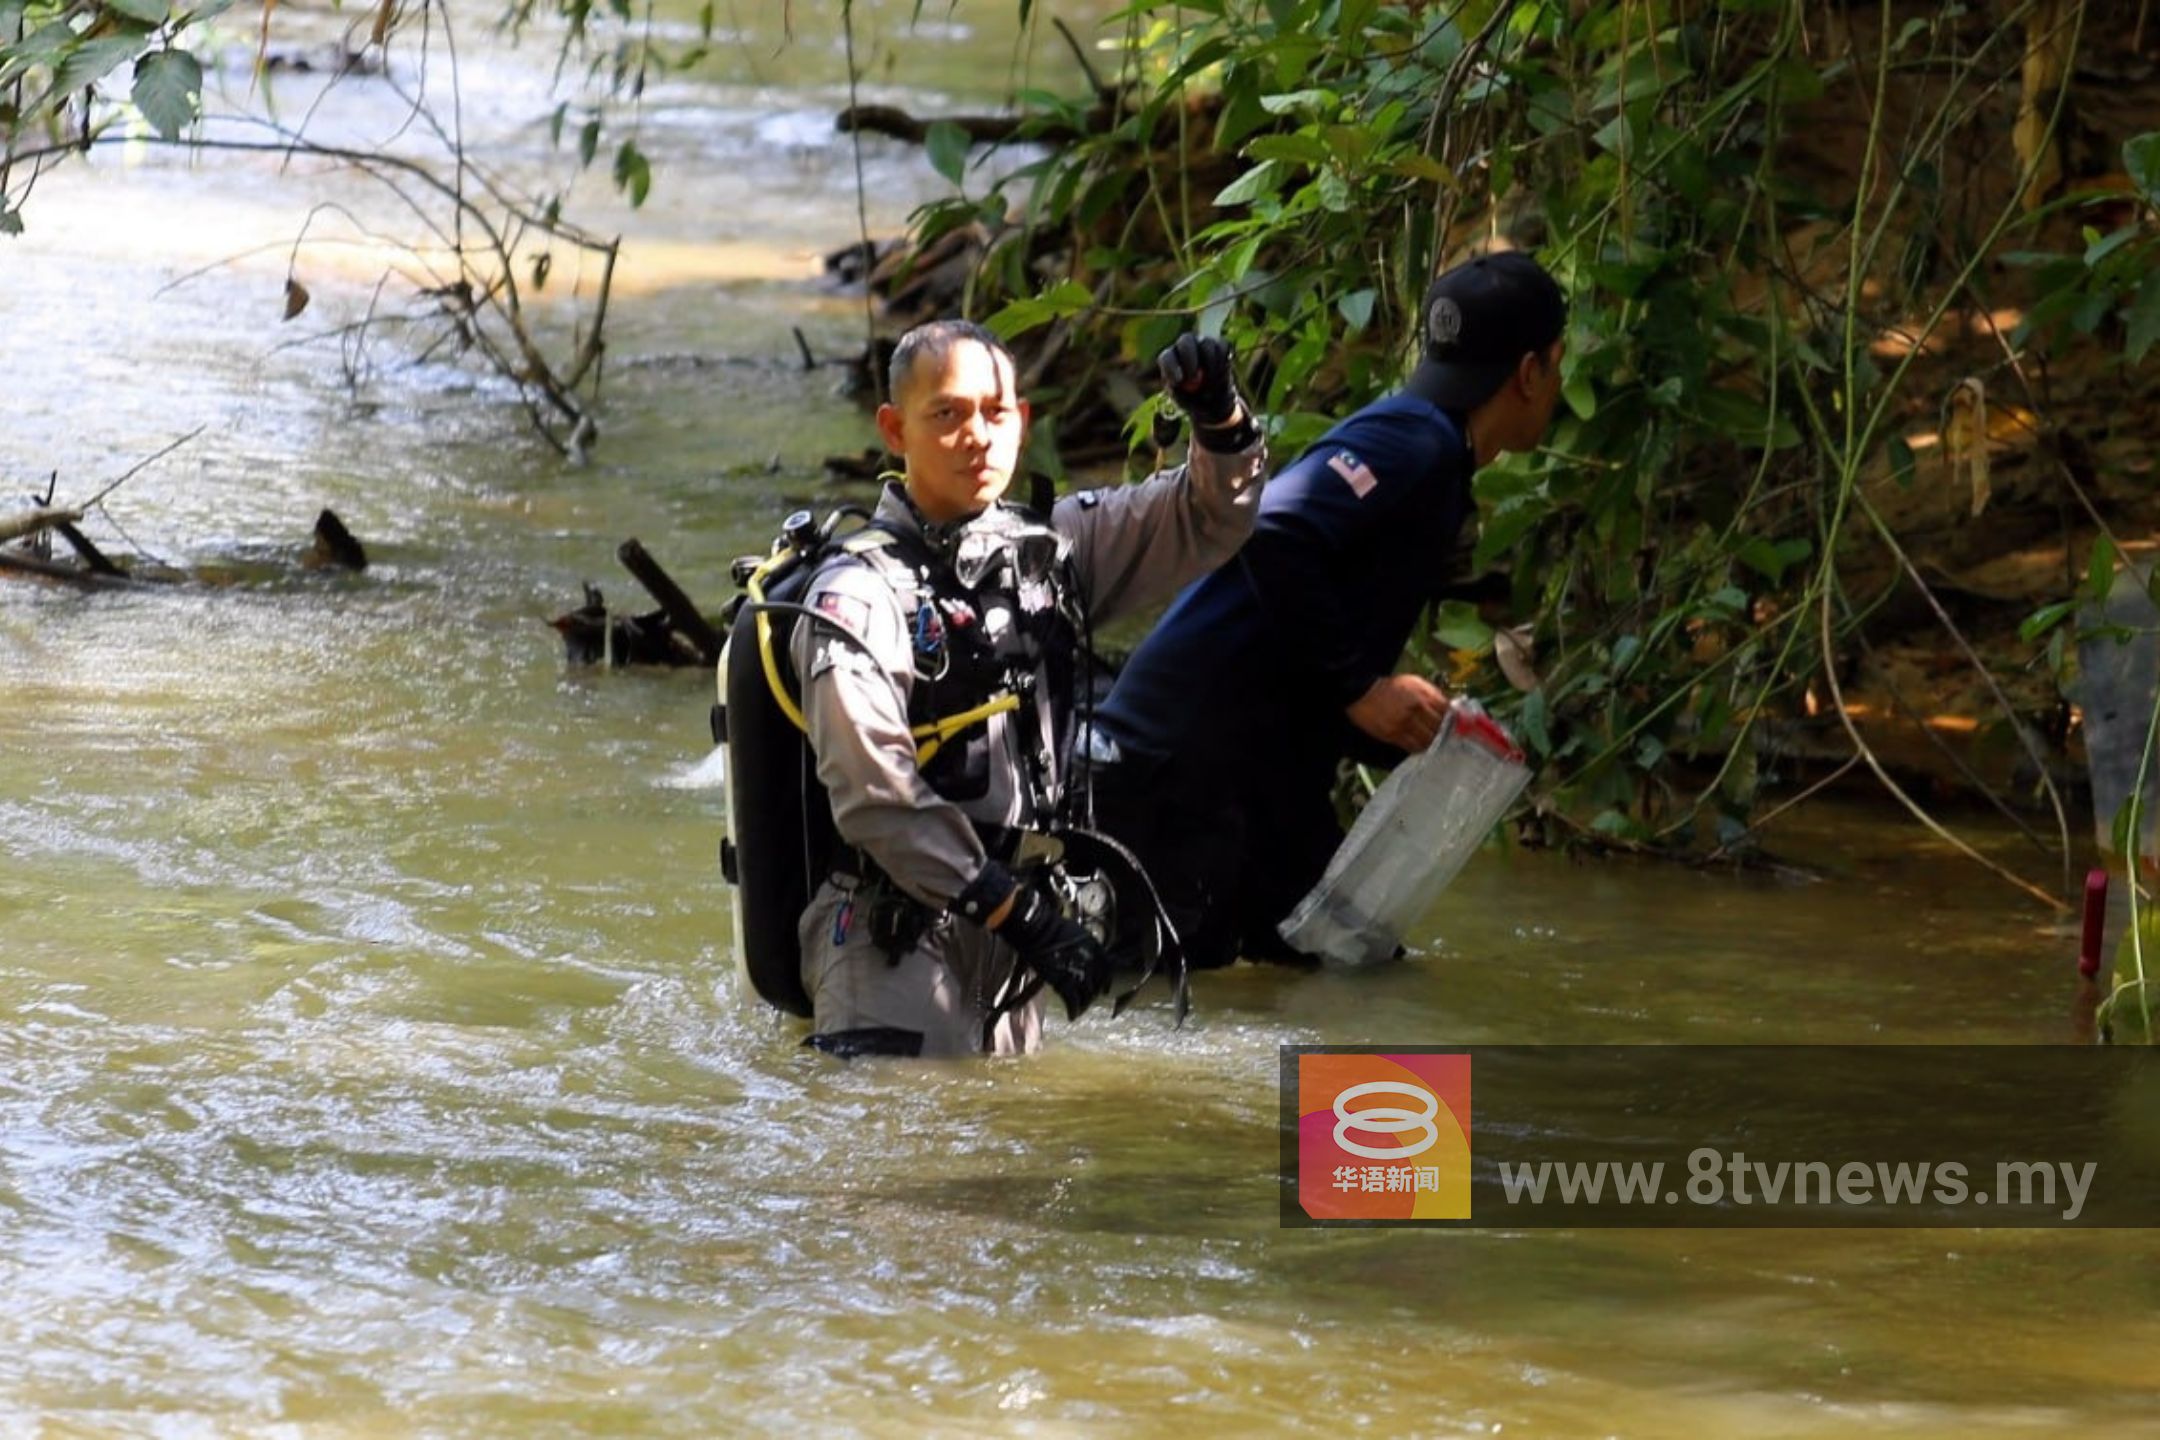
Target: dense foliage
x,y
1744,199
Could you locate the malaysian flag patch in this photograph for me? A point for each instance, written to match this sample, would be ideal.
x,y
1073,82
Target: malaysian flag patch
x,y
852,614
1355,471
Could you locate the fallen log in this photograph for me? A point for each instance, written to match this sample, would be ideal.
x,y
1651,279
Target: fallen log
x,y
32,522
593,636
21,563
674,603
93,559
980,129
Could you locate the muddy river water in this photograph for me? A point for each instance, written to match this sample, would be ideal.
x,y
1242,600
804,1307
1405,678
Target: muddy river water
x,y
371,1061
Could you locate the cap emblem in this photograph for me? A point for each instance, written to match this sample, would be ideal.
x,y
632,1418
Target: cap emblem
x,y
1443,322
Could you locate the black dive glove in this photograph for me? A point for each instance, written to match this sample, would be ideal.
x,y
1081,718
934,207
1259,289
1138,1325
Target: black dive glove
x,y
1069,959
1197,372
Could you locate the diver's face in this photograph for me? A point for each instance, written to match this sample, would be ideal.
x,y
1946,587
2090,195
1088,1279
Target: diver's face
x,y
957,425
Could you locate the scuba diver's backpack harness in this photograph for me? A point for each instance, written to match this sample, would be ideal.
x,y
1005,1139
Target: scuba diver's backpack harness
x,y
978,648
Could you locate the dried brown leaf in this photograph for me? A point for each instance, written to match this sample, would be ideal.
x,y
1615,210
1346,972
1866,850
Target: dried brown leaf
x,y
1965,438
1514,648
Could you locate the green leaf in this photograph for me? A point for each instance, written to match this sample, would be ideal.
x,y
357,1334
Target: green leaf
x,y
1728,601
588,141
633,173
1616,135
45,45
151,12
1458,627
1743,417
10,221
1639,75
1298,149
1334,192
2143,320
1580,395
1798,82
2046,618
1258,181
2141,161
1356,308
2100,575
1902,464
1530,723
947,146
1772,559
168,83
1506,525
1417,165
1068,298
2099,249
95,60
1296,100
2126,819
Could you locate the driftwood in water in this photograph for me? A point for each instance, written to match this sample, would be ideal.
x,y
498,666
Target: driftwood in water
x,y
94,560
92,568
593,636
674,604
334,545
980,129
676,634
22,562
33,522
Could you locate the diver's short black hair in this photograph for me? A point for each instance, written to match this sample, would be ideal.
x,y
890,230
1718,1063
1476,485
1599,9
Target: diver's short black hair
x,y
935,340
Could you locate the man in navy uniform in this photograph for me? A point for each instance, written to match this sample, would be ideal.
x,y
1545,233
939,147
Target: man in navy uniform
x,y
1218,748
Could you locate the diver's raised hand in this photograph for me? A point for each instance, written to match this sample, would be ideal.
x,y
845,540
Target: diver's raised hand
x,y
1401,710
1196,371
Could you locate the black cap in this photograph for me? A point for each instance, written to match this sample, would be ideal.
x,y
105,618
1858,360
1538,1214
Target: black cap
x,y
1480,319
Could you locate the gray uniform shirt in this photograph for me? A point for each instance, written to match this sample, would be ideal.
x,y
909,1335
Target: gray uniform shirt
x,y
1131,546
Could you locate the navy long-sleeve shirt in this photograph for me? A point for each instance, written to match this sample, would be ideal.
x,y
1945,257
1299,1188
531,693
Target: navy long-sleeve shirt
x,y
1351,543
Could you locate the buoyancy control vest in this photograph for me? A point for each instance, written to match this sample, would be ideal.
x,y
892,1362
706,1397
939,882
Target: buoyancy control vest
x,y
992,624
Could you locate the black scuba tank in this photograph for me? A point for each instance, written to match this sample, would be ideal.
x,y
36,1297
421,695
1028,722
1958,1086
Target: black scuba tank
x,y
780,838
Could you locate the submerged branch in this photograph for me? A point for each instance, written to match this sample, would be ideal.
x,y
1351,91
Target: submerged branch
x,y
137,468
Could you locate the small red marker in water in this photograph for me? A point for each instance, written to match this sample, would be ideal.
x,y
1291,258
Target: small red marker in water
x,y
2096,886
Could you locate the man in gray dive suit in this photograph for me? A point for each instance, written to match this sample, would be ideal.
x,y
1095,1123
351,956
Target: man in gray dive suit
x,y
939,688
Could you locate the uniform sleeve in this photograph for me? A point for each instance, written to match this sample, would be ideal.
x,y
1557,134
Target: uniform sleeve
x,y
855,703
1317,510
1138,545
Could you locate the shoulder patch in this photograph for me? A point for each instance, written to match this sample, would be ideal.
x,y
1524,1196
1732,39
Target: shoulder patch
x,y
851,613
1355,472
1088,499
